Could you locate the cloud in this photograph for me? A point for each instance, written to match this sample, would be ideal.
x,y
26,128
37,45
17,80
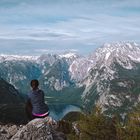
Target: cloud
x,y
53,51
69,24
34,34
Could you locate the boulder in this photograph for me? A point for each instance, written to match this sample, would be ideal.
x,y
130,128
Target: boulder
x,y
39,129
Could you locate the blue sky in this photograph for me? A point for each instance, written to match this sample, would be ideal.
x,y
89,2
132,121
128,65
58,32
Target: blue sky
x,y
53,26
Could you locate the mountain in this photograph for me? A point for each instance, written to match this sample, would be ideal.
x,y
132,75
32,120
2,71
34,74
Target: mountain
x,y
79,68
114,80
8,94
51,70
57,76
20,70
11,104
109,76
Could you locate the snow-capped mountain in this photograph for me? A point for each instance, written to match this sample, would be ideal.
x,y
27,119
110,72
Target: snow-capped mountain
x,y
50,69
109,76
4,57
113,81
69,55
56,77
19,73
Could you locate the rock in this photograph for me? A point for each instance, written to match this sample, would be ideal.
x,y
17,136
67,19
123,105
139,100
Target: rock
x,y
39,129
3,131
7,131
3,137
76,128
12,131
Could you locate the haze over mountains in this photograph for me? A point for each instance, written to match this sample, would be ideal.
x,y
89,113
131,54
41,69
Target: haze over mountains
x,y
109,76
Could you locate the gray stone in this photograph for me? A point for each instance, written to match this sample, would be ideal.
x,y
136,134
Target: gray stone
x,y
12,131
39,129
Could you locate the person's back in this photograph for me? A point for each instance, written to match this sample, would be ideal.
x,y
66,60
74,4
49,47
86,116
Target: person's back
x,y
36,98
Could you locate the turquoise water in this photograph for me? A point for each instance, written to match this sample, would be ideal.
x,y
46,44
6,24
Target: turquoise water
x,y
58,111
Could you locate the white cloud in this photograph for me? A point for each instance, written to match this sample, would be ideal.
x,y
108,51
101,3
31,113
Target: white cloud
x,y
82,22
54,51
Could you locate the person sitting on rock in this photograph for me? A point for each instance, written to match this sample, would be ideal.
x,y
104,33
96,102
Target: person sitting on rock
x,y
36,107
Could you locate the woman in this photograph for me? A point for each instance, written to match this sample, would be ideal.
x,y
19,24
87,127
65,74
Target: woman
x,y
36,105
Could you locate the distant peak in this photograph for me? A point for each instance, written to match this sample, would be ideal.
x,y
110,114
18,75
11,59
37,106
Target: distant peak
x,y
129,45
69,55
17,57
119,47
119,50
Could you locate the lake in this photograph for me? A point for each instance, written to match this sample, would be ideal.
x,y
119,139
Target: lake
x,y
58,111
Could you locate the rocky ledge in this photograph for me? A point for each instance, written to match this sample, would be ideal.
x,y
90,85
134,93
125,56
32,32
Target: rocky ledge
x,y
37,129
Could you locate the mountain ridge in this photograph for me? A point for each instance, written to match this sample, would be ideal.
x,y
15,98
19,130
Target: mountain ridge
x,y
100,89
94,74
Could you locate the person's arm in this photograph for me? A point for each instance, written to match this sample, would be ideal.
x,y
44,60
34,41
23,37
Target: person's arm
x,y
41,93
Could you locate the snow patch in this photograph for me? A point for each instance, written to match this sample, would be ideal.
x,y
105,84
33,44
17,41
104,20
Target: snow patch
x,y
134,59
68,55
113,96
4,57
107,56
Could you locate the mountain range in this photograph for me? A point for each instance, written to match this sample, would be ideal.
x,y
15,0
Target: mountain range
x,y
109,77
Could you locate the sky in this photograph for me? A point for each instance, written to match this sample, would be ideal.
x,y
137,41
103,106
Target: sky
x,y
35,27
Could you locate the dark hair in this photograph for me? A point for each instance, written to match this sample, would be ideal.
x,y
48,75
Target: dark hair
x,y
34,81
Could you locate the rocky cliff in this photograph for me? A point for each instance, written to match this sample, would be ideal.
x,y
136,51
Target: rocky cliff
x,y
37,129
